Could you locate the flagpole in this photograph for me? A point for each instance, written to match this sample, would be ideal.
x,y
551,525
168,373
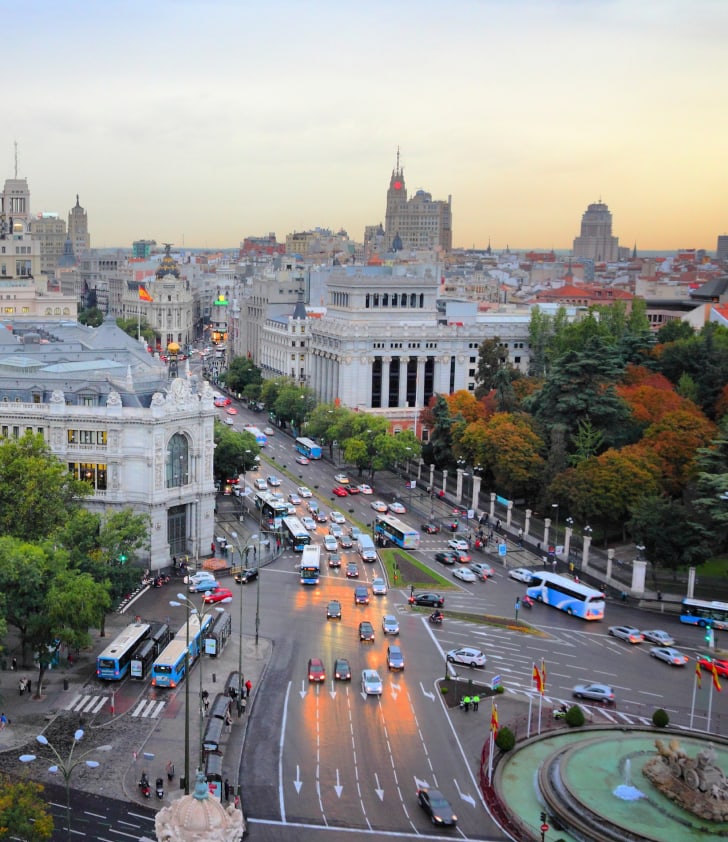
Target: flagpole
x,y
530,706
540,702
692,706
710,706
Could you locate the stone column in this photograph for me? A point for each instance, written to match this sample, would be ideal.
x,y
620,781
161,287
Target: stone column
x,y
546,525
509,514
567,540
403,361
610,562
639,572
386,362
459,487
432,479
477,479
420,463
585,552
420,392
444,481
691,581
527,525
492,505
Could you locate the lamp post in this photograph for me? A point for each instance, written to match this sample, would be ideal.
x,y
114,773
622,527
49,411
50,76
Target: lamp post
x,y
244,550
66,767
200,613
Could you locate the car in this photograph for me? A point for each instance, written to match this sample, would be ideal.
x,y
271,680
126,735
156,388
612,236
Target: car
x,y
333,610
309,523
342,670
366,631
352,489
302,460
218,595
628,633
259,484
721,665
316,670
346,542
466,655
273,481
661,638
269,431
395,658
482,570
330,544
242,577
342,479
294,498
231,410
465,574
337,517
352,570
390,624
458,544
397,508
433,599
334,560
202,585
371,683
304,491
462,556
312,506
594,691
437,807
339,491
361,595
379,586
320,516
201,574
229,422
291,510
669,655
379,506
447,557
219,402
355,532
335,530
520,574
430,528
366,489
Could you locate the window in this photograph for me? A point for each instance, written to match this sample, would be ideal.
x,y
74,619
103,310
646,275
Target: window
x,y
177,461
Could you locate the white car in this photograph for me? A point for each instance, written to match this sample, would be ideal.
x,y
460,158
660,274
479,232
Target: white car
x,y
201,575
330,544
481,569
365,489
520,574
273,481
342,479
309,523
466,655
628,633
596,692
661,638
379,587
464,574
260,484
337,517
379,506
390,624
371,683
669,655
397,508
304,492
458,544
294,498
229,422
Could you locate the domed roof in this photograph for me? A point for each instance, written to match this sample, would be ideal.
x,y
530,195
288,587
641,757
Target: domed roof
x,y
168,266
199,817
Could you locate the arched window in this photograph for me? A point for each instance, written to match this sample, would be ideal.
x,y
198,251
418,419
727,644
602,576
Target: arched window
x,y
178,472
366,301
422,300
394,299
403,299
413,299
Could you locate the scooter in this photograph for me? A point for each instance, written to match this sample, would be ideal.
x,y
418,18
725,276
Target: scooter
x,y
527,601
144,785
159,788
436,618
560,713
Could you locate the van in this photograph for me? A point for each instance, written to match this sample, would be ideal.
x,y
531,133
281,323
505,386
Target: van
x,y
366,549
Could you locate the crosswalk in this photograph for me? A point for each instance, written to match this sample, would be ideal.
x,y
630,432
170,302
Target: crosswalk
x,y
91,704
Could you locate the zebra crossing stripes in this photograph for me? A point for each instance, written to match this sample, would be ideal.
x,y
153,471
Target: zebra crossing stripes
x,y
145,709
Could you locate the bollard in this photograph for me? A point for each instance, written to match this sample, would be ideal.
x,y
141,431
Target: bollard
x,y
214,678
65,684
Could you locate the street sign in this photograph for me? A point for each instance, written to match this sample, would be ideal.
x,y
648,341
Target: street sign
x,y
502,549
496,681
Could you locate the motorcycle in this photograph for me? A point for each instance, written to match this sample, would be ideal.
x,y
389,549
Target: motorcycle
x,y
144,785
159,788
560,713
527,601
436,618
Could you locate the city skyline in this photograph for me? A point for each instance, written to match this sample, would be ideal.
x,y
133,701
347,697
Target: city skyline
x,y
203,123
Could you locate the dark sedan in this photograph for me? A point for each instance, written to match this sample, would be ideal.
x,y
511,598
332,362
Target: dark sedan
x,y
430,528
432,599
447,557
247,575
437,807
342,670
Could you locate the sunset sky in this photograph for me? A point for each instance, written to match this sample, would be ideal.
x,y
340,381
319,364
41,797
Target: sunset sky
x,y
200,123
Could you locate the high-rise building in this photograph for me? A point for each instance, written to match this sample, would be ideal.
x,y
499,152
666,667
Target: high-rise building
x,y
721,251
416,223
596,241
78,230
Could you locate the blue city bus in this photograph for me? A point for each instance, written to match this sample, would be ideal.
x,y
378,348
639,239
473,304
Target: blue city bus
x,y
272,509
169,668
308,447
397,532
566,595
113,663
296,534
700,612
311,565
260,437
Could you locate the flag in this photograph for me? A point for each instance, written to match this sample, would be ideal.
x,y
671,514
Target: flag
x,y
716,683
543,674
698,674
538,678
494,720
144,295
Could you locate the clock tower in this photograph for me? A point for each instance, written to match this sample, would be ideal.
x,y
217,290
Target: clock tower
x,y
396,204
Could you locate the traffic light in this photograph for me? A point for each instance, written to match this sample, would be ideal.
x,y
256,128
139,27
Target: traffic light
x,y
708,633
543,817
122,558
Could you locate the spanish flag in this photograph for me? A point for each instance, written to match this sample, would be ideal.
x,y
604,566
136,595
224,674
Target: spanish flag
x,y
716,683
698,675
494,720
538,678
144,295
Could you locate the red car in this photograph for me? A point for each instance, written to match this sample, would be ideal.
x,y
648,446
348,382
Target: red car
x,y
340,491
231,410
462,557
352,489
218,595
721,666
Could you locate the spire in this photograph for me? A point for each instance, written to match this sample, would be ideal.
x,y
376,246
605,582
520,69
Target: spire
x,y
78,204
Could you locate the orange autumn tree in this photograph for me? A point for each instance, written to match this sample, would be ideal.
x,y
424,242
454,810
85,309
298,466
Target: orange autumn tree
x,y
466,404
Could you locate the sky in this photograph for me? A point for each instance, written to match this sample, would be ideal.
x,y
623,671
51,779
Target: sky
x,y
201,123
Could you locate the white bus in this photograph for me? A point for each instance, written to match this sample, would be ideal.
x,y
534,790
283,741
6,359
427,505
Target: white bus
x,y
567,595
295,534
311,565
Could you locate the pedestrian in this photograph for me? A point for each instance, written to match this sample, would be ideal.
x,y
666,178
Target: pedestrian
x,y
14,664
212,548
21,686
3,722
228,722
466,703
476,701
174,562
206,702
248,688
237,802
28,686
227,789
170,770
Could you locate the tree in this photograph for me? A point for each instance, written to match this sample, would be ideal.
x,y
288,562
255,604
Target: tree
x,y
37,493
242,373
465,404
540,334
132,328
293,405
512,454
492,356
708,496
234,452
91,316
587,441
673,330
23,813
440,444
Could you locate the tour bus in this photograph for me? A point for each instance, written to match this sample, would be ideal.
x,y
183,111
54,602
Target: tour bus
x,y
308,448
113,663
311,565
296,534
260,437
699,612
397,532
567,595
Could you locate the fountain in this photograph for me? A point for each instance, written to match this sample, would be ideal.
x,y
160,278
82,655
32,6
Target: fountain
x,y
625,790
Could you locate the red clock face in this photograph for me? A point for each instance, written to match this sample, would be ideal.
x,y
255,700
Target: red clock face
x,y
397,185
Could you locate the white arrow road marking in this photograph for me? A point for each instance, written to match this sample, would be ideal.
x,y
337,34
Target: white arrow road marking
x,y
378,789
332,692
298,783
430,696
463,795
338,788
421,784
303,689
395,690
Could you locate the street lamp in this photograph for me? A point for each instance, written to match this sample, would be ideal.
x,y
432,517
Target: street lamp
x,y
244,550
556,527
66,767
